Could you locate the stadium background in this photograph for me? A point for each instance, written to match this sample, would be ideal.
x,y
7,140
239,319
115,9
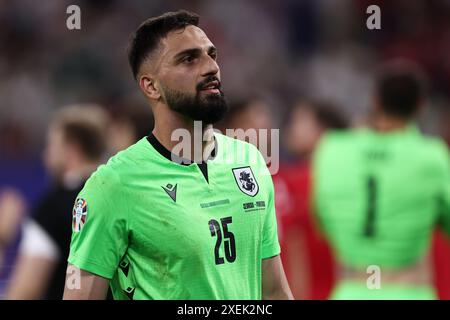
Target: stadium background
x,y
275,52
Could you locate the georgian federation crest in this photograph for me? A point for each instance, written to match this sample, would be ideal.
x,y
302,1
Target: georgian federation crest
x,y
79,214
246,181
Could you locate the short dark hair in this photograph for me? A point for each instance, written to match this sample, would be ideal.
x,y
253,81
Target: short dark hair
x,y
400,88
147,37
140,118
85,126
329,116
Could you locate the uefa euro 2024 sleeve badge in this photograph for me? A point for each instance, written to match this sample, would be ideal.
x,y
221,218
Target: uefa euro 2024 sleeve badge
x,y
79,214
246,181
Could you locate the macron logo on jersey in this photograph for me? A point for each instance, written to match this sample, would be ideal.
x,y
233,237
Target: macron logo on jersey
x,y
171,191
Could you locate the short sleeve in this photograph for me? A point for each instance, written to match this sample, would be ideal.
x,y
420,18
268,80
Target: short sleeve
x,y
444,193
99,225
445,222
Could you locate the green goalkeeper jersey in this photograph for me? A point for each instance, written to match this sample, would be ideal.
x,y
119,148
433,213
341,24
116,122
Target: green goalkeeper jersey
x,y
379,196
159,229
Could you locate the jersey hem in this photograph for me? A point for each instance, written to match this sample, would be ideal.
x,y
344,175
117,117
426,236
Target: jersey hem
x,y
270,252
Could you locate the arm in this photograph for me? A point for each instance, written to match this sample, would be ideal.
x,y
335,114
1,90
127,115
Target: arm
x,y
83,285
37,259
296,260
12,208
30,278
274,283
98,245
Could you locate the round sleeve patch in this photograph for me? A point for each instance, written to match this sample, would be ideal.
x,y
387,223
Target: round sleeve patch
x,y
79,214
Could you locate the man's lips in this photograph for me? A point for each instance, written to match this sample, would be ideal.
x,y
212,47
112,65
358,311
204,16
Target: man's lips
x,y
211,87
215,91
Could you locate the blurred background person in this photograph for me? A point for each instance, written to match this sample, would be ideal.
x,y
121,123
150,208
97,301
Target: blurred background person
x,y
76,145
305,125
250,115
307,259
128,124
12,210
380,193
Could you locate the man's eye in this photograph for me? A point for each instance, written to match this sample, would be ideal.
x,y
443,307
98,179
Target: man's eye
x,y
188,59
213,55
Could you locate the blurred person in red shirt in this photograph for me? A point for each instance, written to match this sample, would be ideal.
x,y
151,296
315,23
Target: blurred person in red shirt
x,y
307,257
441,245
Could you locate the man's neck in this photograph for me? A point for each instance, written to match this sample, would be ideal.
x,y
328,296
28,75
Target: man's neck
x,y
196,141
386,123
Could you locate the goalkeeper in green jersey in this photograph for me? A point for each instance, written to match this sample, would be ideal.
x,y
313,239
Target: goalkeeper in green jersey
x,y
154,223
380,192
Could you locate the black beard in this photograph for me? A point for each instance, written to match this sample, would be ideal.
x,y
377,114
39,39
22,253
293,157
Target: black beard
x,y
208,109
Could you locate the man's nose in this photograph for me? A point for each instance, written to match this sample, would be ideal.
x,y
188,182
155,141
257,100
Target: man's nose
x,y
210,67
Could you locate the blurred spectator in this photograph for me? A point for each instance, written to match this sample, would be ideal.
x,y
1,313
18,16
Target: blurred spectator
x,y
76,143
252,120
321,47
247,114
128,125
306,256
307,122
12,209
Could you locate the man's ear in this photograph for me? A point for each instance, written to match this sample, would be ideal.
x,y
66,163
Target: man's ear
x,y
147,84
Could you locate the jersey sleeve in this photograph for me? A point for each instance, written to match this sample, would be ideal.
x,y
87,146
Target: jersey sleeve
x,y
446,210
100,225
270,242
444,194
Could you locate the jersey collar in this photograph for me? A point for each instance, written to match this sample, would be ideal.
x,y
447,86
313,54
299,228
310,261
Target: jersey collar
x,y
173,157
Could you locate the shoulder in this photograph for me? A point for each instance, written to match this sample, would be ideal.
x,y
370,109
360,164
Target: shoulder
x,y
344,137
240,154
436,149
340,142
233,145
426,148
231,141
434,144
110,175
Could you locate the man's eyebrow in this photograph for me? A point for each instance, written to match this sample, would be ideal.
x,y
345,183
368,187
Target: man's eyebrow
x,y
194,52
212,49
